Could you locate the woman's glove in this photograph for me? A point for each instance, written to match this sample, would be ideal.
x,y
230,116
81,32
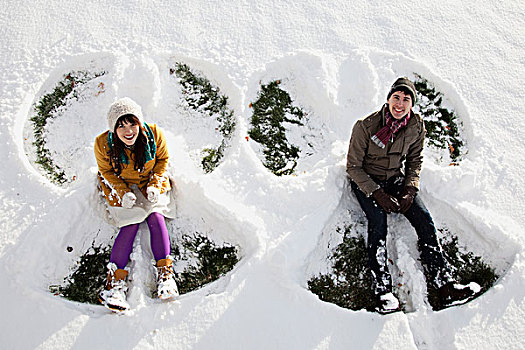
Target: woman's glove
x,y
406,198
153,194
128,200
386,201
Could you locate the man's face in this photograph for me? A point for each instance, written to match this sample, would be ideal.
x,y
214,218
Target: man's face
x,y
399,104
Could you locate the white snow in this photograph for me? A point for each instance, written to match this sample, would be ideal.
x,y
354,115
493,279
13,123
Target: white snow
x,y
338,59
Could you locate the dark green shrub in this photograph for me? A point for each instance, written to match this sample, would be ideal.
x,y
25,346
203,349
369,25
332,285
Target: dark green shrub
x,y
210,261
205,98
88,278
207,262
272,108
349,285
466,267
442,124
46,109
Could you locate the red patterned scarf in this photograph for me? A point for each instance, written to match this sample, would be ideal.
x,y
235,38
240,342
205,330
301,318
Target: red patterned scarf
x,y
387,132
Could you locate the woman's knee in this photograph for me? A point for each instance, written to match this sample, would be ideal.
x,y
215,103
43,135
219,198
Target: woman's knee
x,y
155,218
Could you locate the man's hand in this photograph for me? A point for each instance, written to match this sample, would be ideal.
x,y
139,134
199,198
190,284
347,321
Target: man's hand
x,y
406,198
386,201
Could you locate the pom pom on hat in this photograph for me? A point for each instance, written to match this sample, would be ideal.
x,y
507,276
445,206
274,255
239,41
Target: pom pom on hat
x,y
401,83
122,107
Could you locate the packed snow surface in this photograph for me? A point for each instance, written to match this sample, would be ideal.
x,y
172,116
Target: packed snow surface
x,y
337,59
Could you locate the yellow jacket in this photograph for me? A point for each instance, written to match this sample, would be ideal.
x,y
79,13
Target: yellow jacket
x,y
114,187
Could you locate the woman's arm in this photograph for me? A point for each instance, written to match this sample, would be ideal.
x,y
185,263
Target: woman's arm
x,y
117,186
157,177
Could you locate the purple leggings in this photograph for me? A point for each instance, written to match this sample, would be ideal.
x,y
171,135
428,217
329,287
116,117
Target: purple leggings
x,y
160,240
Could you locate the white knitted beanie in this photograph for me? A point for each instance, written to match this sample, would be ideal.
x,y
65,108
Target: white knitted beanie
x,y
122,107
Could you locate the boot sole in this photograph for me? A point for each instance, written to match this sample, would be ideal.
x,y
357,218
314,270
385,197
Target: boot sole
x,y
168,296
386,312
459,302
114,308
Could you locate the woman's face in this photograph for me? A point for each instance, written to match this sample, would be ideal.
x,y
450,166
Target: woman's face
x,y
399,104
128,132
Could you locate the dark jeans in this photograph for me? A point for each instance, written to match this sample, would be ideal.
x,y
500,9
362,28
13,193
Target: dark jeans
x,y
418,215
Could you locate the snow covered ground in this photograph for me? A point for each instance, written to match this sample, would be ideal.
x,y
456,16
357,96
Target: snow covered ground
x,y
338,59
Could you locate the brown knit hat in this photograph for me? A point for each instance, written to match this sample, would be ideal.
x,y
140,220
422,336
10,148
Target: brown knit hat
x,y
401,84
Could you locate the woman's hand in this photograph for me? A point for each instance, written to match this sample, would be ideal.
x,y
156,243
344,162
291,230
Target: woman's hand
x,y
153,194
128,200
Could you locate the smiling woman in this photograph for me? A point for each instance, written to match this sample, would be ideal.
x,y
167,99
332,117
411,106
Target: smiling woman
x,y
132,158
128,129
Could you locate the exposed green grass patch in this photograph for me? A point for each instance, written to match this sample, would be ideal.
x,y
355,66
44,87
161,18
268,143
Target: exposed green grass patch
x,y
202,96
271,110
46,109
442,124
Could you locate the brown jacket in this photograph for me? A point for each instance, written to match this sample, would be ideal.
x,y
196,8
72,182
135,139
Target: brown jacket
x,y
403,156
114,187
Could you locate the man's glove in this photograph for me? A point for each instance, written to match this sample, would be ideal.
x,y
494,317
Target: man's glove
x,y
153,194
386,201
406,198
128,200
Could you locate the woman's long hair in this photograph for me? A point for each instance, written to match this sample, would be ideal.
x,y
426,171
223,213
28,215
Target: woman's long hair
x,y
138,150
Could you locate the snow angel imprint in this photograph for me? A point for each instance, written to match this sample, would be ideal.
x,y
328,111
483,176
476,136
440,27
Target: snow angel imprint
x,y
132,158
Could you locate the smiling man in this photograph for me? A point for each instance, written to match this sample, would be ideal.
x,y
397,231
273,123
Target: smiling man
x,y
383,163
